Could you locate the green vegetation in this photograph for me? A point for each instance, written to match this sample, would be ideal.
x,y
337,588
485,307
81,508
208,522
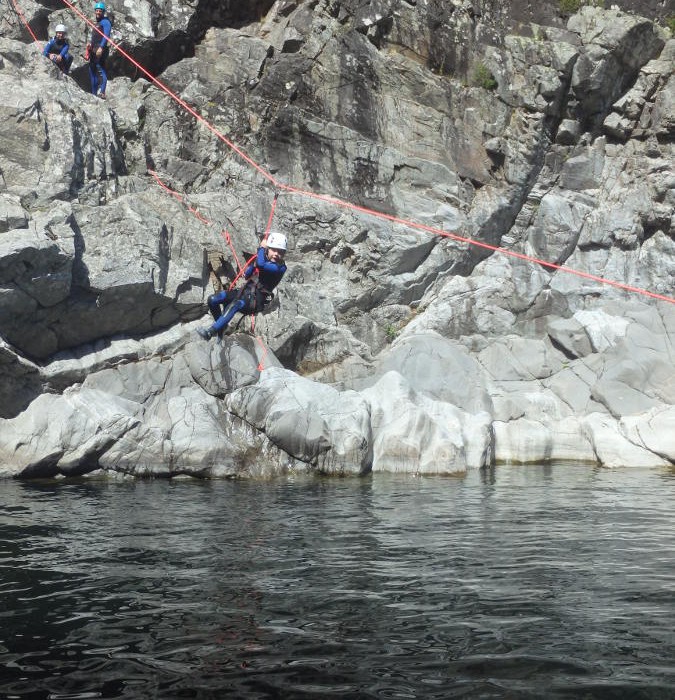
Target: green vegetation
x,y
391,332
482,77
569,7
670,23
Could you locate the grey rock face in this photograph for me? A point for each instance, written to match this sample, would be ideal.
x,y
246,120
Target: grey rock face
x,y
477,198
20,380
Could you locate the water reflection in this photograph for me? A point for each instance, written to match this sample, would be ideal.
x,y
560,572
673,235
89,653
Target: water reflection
x,y
512,582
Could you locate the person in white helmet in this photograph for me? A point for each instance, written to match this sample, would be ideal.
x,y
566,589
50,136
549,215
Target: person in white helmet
x,y
262,277
58,50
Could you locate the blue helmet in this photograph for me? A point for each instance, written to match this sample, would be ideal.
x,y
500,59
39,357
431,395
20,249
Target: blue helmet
x,y
100,6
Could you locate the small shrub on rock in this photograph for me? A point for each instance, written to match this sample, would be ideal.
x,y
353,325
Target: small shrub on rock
x,y
482,77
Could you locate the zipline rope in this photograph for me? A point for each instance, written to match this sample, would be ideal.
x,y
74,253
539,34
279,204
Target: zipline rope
x,y
173,96
249,262
265,234
289,189
18,11
226,235
198,215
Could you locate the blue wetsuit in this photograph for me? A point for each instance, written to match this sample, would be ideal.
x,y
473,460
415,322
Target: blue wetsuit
x,y
55,47
97,74
263,276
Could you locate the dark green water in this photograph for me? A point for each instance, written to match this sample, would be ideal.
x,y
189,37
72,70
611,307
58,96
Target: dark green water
x,y
524,582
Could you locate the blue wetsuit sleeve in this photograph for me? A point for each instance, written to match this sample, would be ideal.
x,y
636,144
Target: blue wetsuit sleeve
x,y
64,50
45,51
106,27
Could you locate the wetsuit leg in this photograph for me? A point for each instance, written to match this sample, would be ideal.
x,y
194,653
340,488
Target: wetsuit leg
x,y
215,301
102,74
93,77
236,306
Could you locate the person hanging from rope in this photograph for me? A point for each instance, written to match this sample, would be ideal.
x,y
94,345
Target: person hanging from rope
x,y
58,50
262,277
97,51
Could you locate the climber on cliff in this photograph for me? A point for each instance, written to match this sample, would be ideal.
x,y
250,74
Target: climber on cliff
x,y
262,276
97,51
57,49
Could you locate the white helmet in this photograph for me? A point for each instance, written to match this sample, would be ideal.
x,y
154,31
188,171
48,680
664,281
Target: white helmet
x,y
277,240
61,28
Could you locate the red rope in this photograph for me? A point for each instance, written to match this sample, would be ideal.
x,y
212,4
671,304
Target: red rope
x,y
478,244
181,198
226,236
267,230
224,233
17,9
430,229
267,233
173,96
349,205
271,216
261,364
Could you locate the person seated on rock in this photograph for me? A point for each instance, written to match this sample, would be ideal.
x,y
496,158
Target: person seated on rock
x,y
97,51
57,49
262,277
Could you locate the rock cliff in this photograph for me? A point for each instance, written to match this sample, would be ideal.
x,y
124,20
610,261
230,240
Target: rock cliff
x,y
479,198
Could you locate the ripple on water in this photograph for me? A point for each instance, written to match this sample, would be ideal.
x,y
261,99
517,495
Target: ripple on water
x,y
524,582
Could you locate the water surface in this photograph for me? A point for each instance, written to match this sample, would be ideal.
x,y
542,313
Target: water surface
x,y
521,582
